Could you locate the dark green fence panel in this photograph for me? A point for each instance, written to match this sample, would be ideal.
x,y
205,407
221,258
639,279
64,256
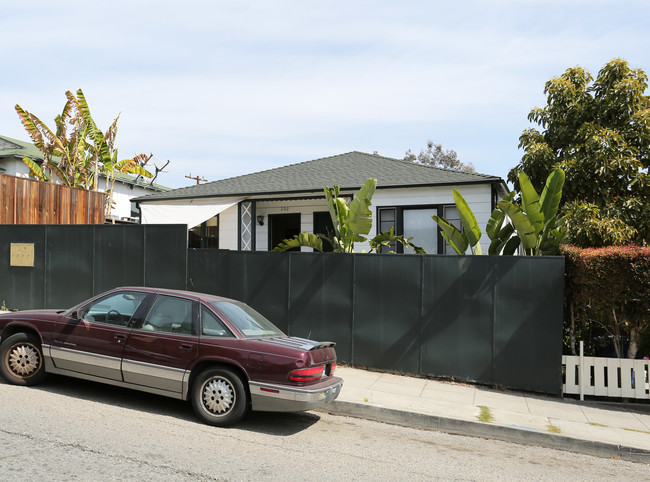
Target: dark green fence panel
x,y
494,320
22,288
165,255
74,262
528,325
119,259
387,306
204,271
68,266
320,303
261,279
457,317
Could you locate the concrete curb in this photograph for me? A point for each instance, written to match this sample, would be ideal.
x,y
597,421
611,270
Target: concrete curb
x,y
512,434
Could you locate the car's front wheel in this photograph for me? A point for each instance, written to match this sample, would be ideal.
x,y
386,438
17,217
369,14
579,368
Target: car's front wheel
x,y
219,397
21,360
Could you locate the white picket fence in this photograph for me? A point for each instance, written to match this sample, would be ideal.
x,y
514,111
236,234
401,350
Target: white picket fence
x,y
606,377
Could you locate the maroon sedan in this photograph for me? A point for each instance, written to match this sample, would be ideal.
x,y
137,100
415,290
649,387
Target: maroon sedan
x,y
219,353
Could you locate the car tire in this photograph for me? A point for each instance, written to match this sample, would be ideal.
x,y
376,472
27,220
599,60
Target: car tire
x,y
21,360
219,397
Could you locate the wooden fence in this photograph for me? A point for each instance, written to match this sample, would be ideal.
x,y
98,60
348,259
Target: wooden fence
x,y
25,201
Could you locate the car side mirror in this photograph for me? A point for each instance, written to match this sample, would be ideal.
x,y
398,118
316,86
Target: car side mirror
x,y
78,315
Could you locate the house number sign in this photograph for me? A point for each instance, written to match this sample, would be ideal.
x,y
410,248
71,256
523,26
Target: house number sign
x,y
22,254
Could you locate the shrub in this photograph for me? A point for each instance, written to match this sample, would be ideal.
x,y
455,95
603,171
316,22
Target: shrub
x,y
610,288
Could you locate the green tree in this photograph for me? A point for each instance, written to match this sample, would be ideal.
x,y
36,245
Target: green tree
x,y
435,156
598,133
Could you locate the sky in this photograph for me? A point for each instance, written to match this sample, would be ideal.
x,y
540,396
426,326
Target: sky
x,y
225,88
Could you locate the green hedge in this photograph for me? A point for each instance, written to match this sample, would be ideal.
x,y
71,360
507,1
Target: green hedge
x,y
607,298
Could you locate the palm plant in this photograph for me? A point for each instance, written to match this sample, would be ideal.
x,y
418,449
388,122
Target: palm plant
x,y
534,225
78,151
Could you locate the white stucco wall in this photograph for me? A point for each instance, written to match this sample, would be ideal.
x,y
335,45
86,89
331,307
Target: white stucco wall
x,y
477,196
228,228
14,167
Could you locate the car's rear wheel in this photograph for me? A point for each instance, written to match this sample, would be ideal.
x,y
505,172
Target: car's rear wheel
x,y
219,397
21,360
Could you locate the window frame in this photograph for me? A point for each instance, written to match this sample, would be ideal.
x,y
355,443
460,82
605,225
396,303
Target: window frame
x,y
399,222
203,236
229,333
150,306
135,317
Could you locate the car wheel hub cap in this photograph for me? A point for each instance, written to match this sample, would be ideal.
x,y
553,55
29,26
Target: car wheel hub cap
x,y
218,396
23,360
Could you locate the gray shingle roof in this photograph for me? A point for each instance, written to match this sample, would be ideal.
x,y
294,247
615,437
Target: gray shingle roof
x,y
14,148
349,171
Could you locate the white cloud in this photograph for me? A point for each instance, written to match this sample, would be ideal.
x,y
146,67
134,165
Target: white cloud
x,y
226,87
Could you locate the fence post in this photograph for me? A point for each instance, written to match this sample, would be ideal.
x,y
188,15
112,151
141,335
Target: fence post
x,y
580,367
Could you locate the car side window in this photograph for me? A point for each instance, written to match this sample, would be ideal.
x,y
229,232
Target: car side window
x,y
169,314
114,309
212,325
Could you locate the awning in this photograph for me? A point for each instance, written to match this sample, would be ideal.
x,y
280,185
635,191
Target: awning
x,y
184,211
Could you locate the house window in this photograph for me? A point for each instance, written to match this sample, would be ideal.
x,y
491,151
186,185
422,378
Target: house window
x,y
205,235
451,215
419,225
387,219
135,211
416,222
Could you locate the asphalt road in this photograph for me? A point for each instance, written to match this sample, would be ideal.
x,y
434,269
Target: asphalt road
x,y
70,429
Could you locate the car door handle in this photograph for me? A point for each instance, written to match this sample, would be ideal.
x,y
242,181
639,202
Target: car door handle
x,y
120,338
185,346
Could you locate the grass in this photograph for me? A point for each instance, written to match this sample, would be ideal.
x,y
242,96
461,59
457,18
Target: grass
x,y
553,429
4,306
597,424
485,415
635,430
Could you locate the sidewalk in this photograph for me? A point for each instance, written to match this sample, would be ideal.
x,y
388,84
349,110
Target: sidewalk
x,y
593,428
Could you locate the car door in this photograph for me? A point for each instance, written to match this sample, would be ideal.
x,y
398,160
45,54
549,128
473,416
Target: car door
x,y
92,342
160,349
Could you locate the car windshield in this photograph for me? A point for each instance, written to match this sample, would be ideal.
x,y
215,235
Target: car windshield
x,y
248,321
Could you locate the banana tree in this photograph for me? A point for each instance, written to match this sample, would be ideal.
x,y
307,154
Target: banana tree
x,y
65,150
104,154
78,152
534,225
500,231
536,220
351,222
471,233
389,239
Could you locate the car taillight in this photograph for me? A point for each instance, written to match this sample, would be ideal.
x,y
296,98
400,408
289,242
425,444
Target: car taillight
x,y
332,368
306,374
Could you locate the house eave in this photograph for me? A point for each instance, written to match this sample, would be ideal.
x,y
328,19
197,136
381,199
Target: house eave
x,y
257,195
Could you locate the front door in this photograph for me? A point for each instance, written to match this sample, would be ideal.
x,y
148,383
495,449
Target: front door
x,y
281,227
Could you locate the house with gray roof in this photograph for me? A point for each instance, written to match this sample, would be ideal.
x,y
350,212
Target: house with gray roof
x,y
255,212
126,187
